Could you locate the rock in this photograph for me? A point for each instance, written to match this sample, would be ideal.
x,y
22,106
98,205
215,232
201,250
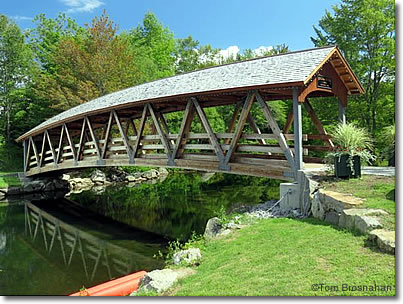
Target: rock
x,y
98,177
317,208
334,201
2,195
232,225
360,219
60,184
332,218
131,178
384,239
34,186
365,224
66,177
213,227
190,256
223,232
14,191
158,280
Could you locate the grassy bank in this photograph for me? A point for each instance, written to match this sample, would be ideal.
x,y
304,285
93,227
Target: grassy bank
x,y
285,257
378,192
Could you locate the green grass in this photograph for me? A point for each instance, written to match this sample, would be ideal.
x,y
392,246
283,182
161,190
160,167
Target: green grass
x,y
8,181
285,257
378,192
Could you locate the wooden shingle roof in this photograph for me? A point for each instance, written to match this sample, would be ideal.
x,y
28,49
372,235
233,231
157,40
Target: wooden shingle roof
x,y
289,69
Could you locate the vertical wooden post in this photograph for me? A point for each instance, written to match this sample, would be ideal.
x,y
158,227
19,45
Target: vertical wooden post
x,y
297,129
342,112
24,145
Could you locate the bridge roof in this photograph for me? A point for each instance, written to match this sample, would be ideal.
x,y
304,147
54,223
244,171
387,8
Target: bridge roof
x,y
283,70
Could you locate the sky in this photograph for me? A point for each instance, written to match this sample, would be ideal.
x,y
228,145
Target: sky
x,y
231,25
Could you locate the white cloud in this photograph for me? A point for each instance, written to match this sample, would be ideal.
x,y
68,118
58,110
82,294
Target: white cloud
x,y
261,50
78,6
21,18
229,52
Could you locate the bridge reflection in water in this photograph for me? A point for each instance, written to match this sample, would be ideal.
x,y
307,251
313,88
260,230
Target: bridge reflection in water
x,y
83,253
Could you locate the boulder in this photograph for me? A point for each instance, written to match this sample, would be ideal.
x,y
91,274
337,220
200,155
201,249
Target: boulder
x,y
34,186
317,208
334,201
98,177
360,219
131,178
2,195
213,227
365,224
14,191
158,280
332,218
384,239
189,256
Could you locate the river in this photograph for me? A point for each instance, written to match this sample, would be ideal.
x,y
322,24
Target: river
x,y
57,246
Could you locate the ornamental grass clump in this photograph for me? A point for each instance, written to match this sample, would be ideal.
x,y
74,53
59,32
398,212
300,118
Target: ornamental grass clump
x,y
350,140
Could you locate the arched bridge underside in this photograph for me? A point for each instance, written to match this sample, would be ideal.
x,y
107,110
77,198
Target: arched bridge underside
x,y
130,127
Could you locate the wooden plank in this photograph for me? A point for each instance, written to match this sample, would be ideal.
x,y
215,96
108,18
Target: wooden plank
x,y
255,128
93,137
35,150
319,136
70,142
184,129
27,158
239,128
42,149
107,135
59,149
125,141
51,147
161,133
209,130
317,123
79,151
140,131
233,120
276,130
288,123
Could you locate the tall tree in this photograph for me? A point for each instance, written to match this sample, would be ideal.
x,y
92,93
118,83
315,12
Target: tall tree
x,y
365,32
157,43
89,65
16,66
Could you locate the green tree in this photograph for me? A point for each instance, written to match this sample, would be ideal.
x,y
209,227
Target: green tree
x,y
157,43
365,32
16,68
89,65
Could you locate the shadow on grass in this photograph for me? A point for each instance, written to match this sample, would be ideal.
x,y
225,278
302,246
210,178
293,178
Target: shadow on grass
x,y
367,242
391,195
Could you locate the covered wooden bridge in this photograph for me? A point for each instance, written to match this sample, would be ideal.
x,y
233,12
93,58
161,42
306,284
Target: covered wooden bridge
x,y
129,127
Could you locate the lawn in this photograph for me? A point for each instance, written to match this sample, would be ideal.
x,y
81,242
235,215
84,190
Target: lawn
x,y
8,181
286,257
378,192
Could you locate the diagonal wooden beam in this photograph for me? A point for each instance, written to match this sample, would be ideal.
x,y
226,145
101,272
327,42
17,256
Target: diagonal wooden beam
x,y
140,131
288,123
42,155
161,134
232,123
255,129
93,137
71,144
184,129
317,123
107,134
52,149
164,123
35,151
241,123
213,138
60,147
276,130
27,160
124,137
81,142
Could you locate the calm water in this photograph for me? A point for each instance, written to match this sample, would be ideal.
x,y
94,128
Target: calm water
x,y
57,246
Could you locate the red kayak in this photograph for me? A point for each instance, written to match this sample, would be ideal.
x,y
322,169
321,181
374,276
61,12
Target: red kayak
x,y
119,287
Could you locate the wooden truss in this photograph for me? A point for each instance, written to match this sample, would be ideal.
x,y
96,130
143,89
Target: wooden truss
x,y
151,142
